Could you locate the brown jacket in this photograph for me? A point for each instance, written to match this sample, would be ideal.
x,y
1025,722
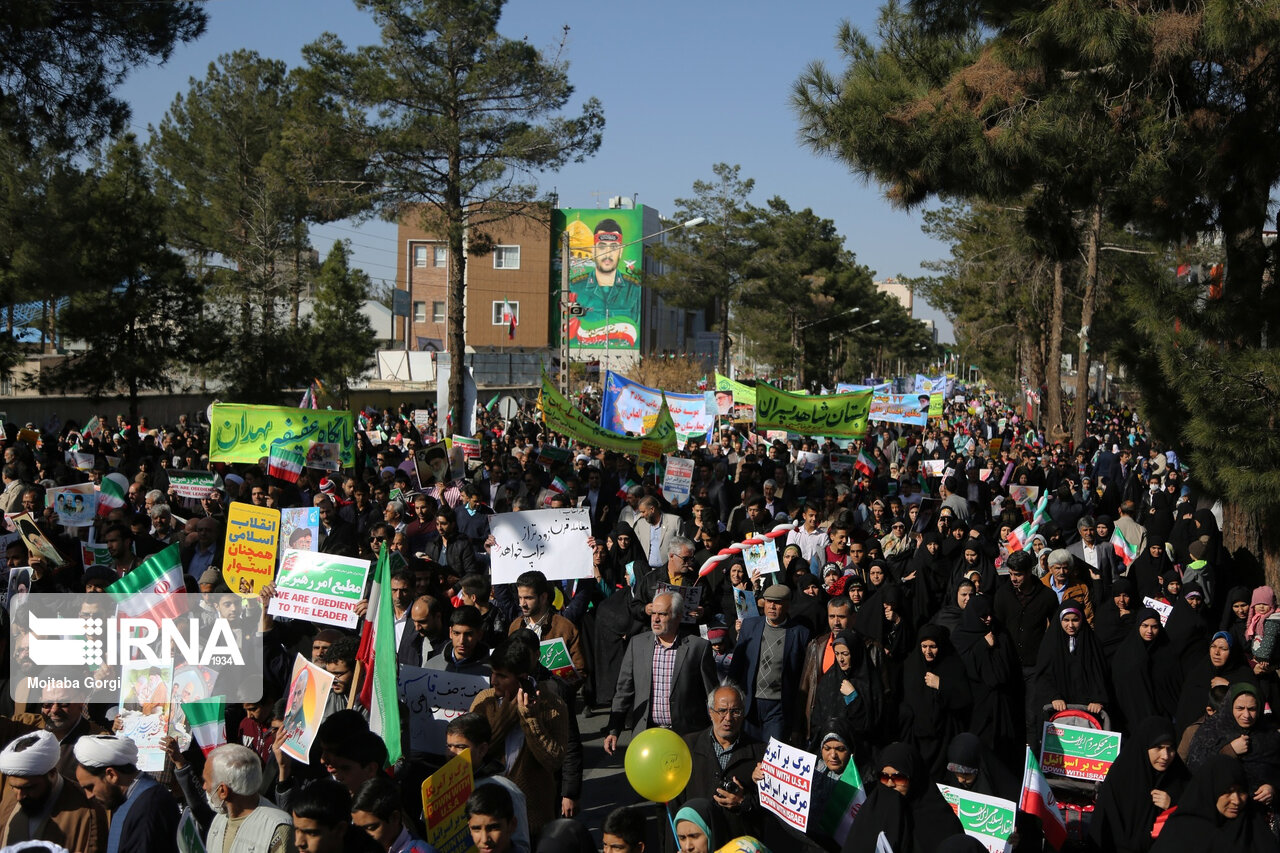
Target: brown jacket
x,y
558,626
76,823
810,674
1077,590
546,731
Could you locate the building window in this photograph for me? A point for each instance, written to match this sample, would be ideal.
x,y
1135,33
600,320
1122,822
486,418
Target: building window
x,y
506,257
437,312
419,256
441,253
419,312
497,313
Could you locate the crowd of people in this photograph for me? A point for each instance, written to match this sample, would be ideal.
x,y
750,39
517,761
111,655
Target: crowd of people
x,y
928,611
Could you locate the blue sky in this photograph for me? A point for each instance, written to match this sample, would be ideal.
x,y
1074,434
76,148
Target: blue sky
x,y
684,85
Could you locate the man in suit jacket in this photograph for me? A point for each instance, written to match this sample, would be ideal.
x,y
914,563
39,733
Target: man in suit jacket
x,y
1095,559
768,662
655,530
665,677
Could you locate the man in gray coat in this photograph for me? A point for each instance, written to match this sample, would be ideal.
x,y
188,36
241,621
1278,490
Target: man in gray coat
x,y
665,677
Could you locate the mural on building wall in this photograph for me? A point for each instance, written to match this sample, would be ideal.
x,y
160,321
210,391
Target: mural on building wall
x,y
605,253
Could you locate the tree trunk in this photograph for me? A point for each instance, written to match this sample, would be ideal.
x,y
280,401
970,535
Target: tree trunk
x,y
1087,305
1053,367
724,337
1255,553
457,343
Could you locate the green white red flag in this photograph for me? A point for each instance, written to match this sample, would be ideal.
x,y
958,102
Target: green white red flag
x,y
377,653
1037,799
154,590
208,721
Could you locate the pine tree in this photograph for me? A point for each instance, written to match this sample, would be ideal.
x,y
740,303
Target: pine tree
x,y
452,117
345,342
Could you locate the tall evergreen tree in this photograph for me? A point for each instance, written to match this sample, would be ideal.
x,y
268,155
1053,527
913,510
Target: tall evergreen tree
x,y
454,118
706,267
345,342
139,313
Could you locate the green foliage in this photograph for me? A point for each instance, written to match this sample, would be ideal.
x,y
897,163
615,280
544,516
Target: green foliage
x,y
345,341
61,61
453,118
139,313
706,267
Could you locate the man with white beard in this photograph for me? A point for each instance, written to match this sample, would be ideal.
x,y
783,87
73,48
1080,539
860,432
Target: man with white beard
x,y
243,820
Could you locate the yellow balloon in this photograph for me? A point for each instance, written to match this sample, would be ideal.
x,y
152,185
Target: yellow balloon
x,y
658,764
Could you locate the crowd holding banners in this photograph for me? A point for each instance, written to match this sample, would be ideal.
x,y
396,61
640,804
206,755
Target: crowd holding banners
x,y
940,644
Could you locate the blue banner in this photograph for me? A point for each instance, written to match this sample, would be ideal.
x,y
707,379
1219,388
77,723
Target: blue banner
x,y
625,406
845,388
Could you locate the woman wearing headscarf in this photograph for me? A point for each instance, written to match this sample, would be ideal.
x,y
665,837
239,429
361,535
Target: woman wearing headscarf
x,y
1146,780
1070,669
1261,605
699,827
1114,620
1224,661
834,748
809,602
1188,625
615,622
1147,569
973,558
953,609
1235,614
925,580
904,803
935,697
885,626
971,766
1240,728
1216,813
850,693
995,680
1144,673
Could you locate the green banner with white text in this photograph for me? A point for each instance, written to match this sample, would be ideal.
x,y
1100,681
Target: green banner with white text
x,y
843,415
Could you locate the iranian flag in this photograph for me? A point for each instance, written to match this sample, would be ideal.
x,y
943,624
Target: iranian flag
x,y
843,804
558,486
285,463
509,319
624,491
111,493
154,590
865,463
208,722
1020,536
1127,551
1037,799
377,655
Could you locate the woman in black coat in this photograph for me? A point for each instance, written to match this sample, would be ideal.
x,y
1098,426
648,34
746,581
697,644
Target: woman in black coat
x,y
935,697
850,693
903,803
1113,624
1215,814
995,680
1225,660
1241,729
1147,779
615,622
1144,673
1070,669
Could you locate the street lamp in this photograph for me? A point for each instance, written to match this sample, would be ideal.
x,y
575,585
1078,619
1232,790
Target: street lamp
x,y
832,317
566,308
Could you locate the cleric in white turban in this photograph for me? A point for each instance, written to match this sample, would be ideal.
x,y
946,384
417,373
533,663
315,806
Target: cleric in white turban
x,y
144,815
38,804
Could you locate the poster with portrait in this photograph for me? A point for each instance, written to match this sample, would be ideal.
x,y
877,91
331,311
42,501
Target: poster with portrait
x,y
75,505
300,528
145,691
605,274
309,687
37,543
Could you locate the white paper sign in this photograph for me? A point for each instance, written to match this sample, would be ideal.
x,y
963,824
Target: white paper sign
x,y
434,697
787,786
988,819
678,481
552,541
1160,607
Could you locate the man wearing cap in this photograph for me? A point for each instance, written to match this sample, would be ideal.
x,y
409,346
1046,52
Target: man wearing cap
x,y
767,662
665,676
243,821
144,815
40,804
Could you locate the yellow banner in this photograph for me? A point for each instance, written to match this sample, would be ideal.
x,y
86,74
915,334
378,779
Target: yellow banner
x,y
243,433
843,415
252,543
563,417
741,393
444,805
